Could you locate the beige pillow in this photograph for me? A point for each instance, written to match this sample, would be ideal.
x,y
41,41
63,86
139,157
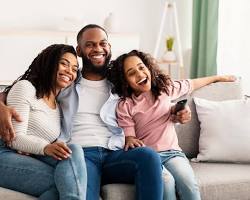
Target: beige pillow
x,y
225,130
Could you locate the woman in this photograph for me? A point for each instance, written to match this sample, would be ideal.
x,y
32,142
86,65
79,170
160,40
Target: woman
x,y
33,95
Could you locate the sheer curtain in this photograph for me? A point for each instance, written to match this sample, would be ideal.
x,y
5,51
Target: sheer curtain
x,y
233,54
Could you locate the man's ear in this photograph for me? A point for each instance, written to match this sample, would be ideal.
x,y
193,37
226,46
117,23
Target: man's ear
x,y
78,51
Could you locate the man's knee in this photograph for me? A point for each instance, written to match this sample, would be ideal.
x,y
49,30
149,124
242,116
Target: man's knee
x,y
146,154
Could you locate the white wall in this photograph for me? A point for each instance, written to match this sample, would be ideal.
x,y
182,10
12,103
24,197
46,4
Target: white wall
x,y
233,55
134,16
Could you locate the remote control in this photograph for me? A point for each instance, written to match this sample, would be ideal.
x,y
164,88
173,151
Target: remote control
x,y
180,105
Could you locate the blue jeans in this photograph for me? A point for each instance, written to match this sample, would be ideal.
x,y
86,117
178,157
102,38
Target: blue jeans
x,y
26,174
178,174
70,175
140,166
30,175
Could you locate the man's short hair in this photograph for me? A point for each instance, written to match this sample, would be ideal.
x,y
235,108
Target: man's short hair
x,y
89,26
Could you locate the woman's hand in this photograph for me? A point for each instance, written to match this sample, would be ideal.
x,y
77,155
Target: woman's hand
x,y
132,142
23,153
58,150
183,116
6,128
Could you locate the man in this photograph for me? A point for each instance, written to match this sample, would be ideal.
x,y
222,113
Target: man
x,y
88,119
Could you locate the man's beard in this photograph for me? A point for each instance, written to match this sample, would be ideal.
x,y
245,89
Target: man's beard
x,y
88,66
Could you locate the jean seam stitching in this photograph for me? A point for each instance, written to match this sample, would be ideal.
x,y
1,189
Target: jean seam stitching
x,y
75,176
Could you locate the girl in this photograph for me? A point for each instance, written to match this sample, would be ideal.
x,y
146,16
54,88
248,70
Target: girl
x,y
33,95
144,113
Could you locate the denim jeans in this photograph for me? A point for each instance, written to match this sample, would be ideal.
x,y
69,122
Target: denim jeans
x,y
70,175
140,166
178,174
32,176
26,174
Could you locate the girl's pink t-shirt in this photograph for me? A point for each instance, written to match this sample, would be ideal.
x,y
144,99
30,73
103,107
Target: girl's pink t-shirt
x,y
149,120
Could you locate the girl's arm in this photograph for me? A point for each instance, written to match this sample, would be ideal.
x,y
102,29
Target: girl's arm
x,y
132,142
184,116
200,82
126,122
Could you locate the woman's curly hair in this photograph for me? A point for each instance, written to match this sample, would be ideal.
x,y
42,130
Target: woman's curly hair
x,y
42,71
159,80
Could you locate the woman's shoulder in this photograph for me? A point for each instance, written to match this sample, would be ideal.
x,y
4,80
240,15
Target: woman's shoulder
x,y
23,84
23,88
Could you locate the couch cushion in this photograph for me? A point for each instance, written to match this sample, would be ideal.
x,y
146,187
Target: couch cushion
x,y
217,181
225,129
188,134
13,195
223,181
118,192
2,87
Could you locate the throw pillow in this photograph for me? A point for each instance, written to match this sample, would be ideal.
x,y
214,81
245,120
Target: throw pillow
x,y
224,130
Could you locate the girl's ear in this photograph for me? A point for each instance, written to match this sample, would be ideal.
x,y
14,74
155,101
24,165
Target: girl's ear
x,y
78,51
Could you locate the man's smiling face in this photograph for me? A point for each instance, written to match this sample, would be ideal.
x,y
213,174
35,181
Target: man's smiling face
x,y
94,50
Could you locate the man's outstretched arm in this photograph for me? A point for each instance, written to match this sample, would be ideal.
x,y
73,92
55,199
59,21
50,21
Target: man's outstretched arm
x,y
7,113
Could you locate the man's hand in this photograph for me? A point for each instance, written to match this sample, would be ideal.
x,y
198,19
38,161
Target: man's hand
x,y
183,116
6,128
58,150
132,142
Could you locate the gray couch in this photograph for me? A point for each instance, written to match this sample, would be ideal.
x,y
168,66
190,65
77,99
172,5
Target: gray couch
x,y
217,181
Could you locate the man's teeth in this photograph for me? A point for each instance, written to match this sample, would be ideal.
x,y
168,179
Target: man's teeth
x,y
144,79
97,56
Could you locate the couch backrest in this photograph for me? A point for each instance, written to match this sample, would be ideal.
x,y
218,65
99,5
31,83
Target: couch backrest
x,y
188,134
2,87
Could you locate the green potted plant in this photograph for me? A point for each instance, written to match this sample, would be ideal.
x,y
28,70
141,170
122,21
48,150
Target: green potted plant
x,y
169,43
169,55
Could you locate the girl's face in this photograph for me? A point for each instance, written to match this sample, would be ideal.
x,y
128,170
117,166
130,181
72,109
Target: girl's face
x,y
67,70
137,75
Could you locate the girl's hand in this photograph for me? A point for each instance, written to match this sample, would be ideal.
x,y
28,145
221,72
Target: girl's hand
x,y
183,116
226,78
58,150
132,142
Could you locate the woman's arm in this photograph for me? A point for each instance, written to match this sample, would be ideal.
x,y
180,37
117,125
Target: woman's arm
x,y
20,97
200,82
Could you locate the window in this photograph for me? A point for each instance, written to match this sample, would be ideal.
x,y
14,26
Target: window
x,y
233,55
